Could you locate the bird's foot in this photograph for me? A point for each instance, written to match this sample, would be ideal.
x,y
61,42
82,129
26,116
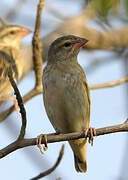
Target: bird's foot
x,y
90,132
38,142
39,139
11,99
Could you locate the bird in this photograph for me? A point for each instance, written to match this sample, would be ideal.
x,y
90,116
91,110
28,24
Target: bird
x,y
66,94
10,58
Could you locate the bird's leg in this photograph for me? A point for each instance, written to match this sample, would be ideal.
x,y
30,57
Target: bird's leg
x,y
38,142
39,139
90,132
11,99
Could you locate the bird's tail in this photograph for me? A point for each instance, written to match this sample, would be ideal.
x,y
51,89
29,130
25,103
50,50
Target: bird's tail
x,y
79,148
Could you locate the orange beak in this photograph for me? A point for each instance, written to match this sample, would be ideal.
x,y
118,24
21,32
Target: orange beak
x,y
24,32
80,43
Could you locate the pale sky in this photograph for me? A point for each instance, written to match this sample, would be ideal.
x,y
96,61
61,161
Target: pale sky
x,y
107,108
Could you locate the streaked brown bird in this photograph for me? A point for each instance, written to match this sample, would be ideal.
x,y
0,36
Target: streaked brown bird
x,y
10,57
66,93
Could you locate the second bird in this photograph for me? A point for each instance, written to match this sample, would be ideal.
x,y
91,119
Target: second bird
x,y
66,94
10,57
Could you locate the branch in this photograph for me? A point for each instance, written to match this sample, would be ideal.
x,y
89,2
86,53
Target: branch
x,y
16,8
37,48
109,84
62,137
20,103
3,22
49,171
23,114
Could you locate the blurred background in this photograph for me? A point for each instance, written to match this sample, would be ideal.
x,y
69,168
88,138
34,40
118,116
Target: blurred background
x,y
107,159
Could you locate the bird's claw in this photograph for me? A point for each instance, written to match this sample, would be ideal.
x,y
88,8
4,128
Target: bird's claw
x,y
90,132
38,142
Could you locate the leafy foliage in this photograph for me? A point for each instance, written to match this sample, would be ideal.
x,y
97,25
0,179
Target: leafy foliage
x,y
104,7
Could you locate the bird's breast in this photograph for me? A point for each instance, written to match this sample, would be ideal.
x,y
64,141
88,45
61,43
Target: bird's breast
x,y
65,98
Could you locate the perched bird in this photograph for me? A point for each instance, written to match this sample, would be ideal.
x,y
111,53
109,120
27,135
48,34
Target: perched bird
x,y
10,57
66,94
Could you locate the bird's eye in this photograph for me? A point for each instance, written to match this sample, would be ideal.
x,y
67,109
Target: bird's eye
x,y
12,32
67,44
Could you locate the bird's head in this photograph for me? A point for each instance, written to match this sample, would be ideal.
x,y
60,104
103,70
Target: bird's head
x,y
65,48
11,35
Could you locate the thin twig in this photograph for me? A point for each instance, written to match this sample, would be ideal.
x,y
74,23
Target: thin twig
x,y
37,48
20,103
49,171
109,84
62,137
16,8
52,10
3,22
26,98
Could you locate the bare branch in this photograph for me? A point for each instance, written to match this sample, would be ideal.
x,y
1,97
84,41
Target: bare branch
x,y
109,84
16,8
62,137
20,103
26,98
49,171
3,22
37,48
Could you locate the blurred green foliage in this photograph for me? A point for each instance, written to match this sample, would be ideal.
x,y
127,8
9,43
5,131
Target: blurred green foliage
x,y
105,7
126,6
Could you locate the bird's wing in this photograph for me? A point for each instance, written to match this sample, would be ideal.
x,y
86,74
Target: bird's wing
x,y
84,79
7,63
